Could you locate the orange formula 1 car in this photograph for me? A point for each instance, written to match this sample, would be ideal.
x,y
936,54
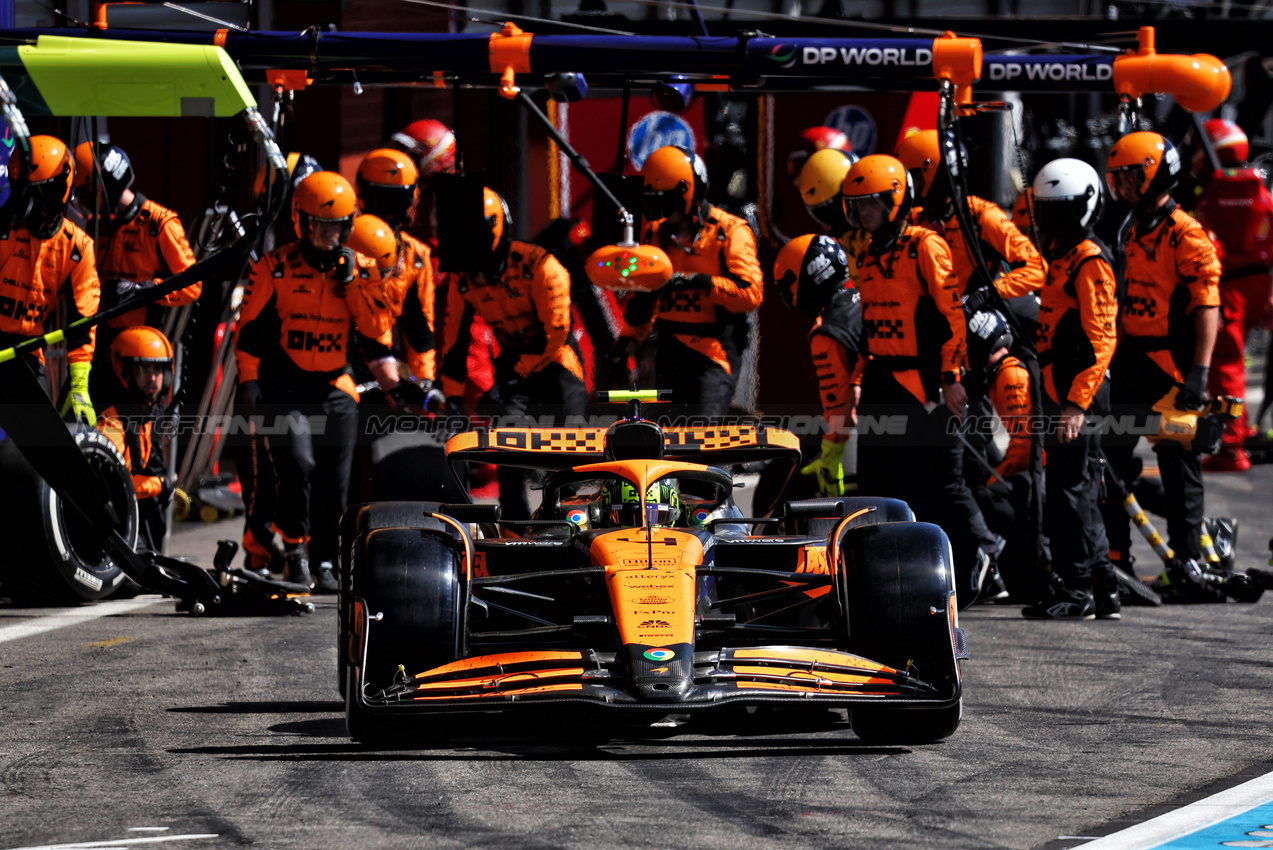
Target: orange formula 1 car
x,y
638,587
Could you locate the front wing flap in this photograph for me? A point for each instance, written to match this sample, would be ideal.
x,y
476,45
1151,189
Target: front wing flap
x,y
725,676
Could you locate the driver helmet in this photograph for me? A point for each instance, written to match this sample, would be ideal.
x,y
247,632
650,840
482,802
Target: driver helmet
x,y
621,506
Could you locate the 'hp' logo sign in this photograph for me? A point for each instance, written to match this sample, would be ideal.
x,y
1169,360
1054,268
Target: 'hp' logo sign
x,y
856,123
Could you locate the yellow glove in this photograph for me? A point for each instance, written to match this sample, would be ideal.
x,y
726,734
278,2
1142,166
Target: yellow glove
x,y
77,398
829,467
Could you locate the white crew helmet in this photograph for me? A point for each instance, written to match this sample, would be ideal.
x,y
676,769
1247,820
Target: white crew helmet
x,y
1067,194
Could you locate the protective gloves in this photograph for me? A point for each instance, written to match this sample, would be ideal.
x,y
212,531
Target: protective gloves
x,y
1194,395
680,281
977,298
126,288
77,399
829,467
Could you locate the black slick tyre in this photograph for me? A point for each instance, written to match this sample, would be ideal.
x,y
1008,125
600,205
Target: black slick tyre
x,y
357,520
896,589
56,559
410,583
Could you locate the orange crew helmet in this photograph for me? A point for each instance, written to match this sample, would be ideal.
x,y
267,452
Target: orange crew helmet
x,y
675,181
140,344
48,185
387,186
921,154
808,271
83,163
820,181
323,196
1150,160
376,240
883,177
498,219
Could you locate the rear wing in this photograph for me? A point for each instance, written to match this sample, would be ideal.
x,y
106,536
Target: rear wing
x,y
563,448
566,448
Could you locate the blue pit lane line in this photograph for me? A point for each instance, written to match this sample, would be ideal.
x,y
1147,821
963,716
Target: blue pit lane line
x,y
1239,817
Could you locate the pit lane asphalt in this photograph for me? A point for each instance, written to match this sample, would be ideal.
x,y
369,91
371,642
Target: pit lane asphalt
x,y
230,733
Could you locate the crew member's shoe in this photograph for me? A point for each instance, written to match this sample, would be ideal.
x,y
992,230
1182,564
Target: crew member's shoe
x,y
992,587
1227,460
296,566
1105,593
1062,603
324,581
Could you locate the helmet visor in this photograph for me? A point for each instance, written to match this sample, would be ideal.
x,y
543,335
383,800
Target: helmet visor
x,y
659,205
48,205
326,234
870,212
1125,183
831,214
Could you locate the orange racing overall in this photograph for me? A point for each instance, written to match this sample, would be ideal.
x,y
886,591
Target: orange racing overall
x,y
34,274
913,327
293,334
702,327
1171,272
1076,338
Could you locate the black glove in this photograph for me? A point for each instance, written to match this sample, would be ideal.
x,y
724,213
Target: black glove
x,y
408,394
166,490
1194,395
343,265
680,281
127,287
977,298
248,395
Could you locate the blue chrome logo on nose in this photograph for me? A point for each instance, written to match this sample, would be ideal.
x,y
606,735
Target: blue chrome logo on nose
x,y
659,654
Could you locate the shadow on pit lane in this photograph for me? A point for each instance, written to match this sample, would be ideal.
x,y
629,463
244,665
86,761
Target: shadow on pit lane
x,y
524,736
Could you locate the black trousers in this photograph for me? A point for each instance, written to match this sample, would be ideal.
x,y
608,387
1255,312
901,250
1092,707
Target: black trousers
x,y
250,453
152,515
1006,505
312,428
548,397
1137,384
907,452
1072,517
700,387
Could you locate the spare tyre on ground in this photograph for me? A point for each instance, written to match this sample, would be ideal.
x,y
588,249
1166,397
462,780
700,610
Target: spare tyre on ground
x,y
50,556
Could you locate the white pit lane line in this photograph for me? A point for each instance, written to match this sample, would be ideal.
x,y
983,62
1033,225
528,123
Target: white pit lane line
x,y
60,618
120,842
1239,817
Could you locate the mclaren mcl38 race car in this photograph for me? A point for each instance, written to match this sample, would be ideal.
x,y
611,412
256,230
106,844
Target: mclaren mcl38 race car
x,y
638,587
